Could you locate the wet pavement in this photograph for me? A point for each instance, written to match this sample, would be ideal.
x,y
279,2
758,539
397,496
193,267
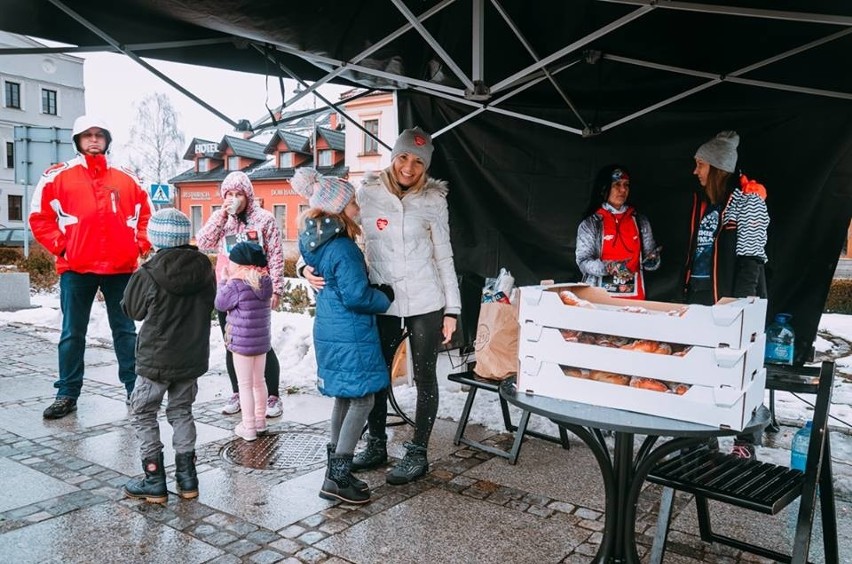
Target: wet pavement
x,y
62,502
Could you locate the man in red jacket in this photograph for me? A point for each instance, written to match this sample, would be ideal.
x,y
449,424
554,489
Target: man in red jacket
x,y
93,217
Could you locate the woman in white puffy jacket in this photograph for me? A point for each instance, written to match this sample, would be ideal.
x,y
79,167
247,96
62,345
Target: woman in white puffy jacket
x,y
406,230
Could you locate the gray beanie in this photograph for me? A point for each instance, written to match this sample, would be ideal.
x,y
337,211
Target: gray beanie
x,y
416,142
169,228
721,151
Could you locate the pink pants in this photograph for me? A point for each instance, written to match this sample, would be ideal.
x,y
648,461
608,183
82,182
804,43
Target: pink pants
x,y
252,386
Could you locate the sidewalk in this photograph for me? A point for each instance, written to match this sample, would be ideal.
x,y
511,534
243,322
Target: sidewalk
x,y
61,489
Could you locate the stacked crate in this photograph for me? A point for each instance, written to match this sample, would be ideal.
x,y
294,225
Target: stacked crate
x,y
723,367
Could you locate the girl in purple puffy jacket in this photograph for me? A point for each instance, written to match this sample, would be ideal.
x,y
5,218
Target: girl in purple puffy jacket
x,y
245,293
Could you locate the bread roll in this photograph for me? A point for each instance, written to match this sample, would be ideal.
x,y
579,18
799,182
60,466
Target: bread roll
x,y
609,377
648,384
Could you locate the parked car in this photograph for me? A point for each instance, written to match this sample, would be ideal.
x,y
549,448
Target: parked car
x,y
14,237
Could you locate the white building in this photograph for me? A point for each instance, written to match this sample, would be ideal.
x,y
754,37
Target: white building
x,y
377,113
38,90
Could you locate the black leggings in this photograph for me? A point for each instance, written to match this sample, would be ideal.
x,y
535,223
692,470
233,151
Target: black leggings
x,y
424,338
271,373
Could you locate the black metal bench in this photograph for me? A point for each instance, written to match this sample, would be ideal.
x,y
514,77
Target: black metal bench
x,y
474,384
767,488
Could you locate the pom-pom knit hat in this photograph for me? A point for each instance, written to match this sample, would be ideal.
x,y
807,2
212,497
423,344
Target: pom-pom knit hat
x,y
721,151
168,228
416,142
328,193
248,253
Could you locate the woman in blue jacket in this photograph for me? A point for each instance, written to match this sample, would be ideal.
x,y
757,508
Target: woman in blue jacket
x,y
350,365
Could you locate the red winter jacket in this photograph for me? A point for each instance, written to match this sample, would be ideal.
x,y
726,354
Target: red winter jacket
x,y
92,216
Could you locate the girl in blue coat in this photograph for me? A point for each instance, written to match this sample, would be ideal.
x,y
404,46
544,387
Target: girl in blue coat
x,y
350,365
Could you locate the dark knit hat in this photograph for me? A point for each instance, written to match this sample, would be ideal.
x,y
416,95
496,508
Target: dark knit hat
x,y
416,142
328,193
168,228
721,151
606,176
248,253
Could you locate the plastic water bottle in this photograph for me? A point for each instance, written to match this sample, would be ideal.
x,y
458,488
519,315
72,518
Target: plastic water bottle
x,y
799,450
780,340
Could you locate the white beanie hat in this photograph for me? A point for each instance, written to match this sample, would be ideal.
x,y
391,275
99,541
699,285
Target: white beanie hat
x,y
721,151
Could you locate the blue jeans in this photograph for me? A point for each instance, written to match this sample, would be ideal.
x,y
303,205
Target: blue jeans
x,y
76,295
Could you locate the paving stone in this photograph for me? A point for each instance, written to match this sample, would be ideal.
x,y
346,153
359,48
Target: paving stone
x,y
287,546
266,557
242,547
311,537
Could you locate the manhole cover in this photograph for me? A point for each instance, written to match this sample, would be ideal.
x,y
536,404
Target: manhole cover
x,y
277,451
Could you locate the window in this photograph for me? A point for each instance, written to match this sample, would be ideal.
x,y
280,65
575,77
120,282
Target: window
x,y
16,208
280,213
325,158
233,163
203,164
48,101
13,95
195,219
214,209
285,159
303,208
371,146
10,154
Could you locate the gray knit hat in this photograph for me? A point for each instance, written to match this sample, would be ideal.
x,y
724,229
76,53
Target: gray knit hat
x,y
168,228
416,142
721,151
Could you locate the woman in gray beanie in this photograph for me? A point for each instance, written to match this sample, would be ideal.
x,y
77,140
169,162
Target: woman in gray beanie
x,y
406,231
728,231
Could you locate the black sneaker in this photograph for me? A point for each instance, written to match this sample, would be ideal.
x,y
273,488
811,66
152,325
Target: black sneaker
x,y
412,466
60,408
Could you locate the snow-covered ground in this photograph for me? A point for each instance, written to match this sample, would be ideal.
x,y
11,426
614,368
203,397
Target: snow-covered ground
x,y
293,344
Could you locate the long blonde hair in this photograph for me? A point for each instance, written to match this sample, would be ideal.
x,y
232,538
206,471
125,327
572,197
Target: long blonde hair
x,y
352,229
251,275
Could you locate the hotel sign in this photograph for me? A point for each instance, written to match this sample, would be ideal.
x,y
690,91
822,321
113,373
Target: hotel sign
x,y
197,195
283,193
206,148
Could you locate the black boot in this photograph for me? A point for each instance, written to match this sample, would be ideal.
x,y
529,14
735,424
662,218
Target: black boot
x,y
151,488
185,475
412,466
375,455
338,485
359,484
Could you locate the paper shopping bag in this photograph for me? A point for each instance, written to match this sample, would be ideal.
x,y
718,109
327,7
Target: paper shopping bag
x,y
497,341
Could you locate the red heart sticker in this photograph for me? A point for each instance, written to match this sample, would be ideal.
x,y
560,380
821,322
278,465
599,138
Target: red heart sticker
x,y
381,223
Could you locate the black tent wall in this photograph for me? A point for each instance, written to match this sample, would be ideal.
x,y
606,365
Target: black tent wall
x,y
518,189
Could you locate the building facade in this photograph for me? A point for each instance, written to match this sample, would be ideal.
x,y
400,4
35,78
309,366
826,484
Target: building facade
x,y
377,113
35,90
269,165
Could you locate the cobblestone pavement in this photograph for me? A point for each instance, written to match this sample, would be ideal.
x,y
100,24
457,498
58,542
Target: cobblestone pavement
x,y
62,499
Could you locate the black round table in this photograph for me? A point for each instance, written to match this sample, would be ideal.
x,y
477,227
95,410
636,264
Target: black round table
x,y
623,474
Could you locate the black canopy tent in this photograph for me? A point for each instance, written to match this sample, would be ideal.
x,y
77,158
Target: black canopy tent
x,y
528,99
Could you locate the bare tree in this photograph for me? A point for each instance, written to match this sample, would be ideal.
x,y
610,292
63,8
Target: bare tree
x,y
156,144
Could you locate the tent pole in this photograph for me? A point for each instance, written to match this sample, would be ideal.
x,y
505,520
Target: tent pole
x,y
622,21
433,43
536,58
97,31
808,17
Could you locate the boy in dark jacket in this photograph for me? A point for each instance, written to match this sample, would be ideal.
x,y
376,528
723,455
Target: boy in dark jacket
x,y
173,295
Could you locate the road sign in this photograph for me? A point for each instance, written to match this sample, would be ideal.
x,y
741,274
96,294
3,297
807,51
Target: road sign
x,y
160,193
